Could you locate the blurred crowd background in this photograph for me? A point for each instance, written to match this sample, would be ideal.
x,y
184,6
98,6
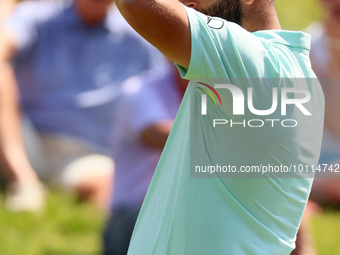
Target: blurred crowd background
x,y
86,106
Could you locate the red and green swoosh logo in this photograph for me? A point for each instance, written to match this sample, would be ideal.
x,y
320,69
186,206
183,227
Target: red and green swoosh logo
x,y
209,93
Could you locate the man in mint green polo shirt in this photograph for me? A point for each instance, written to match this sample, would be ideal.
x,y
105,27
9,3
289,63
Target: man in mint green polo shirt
x,y
253,103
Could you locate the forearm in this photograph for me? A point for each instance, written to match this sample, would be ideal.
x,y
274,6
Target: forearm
x,y
164,23
12,151
156,135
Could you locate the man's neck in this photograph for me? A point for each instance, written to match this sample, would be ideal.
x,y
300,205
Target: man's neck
x,y
260,19
89,16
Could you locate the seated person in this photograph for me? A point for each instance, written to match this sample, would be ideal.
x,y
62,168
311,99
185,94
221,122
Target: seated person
x,y
145,117
325,57
69,61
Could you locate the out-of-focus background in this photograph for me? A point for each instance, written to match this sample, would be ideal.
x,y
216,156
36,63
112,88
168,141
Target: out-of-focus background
x,y
325,227
67,227
297,15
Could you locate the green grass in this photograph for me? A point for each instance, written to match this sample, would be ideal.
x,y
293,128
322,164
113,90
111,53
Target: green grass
x,y
326,232
64,228
69,228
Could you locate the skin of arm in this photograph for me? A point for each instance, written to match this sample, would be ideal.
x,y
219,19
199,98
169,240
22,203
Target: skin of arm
x,y
6,6
164,23
12,152
155,136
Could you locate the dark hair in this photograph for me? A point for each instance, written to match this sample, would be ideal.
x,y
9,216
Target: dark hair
x,y
230,10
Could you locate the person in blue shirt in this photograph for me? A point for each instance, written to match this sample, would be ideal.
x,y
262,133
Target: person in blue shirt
x,y
69,59
147,108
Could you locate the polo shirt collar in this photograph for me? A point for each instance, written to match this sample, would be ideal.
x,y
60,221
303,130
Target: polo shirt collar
x,y
294,39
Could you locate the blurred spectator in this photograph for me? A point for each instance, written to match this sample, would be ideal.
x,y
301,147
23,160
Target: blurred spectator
x,y
145,117
13,159
325,56
69,61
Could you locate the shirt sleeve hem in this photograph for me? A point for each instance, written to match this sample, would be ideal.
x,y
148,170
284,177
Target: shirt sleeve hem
x,y
195,47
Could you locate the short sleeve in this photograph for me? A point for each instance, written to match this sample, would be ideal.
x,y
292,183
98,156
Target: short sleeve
x,y
222,49
25,21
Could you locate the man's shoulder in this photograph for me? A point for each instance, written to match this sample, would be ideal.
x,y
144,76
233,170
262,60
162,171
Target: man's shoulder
x,y
28,18
33,14
40,9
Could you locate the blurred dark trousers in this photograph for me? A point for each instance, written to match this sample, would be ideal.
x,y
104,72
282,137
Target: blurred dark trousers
x,y
118,231
3,180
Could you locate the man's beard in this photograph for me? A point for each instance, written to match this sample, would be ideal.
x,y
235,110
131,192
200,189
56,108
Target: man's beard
x,y
230,10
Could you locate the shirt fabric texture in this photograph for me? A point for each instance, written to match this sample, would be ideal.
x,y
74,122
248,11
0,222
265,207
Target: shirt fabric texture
x,y
259,216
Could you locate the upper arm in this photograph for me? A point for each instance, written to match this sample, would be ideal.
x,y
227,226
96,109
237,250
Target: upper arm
x,y
10,38
164,23
6,8
8,90
7,45
20,30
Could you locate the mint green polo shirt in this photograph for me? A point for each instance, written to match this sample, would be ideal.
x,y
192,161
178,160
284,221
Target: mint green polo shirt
x,y
233,216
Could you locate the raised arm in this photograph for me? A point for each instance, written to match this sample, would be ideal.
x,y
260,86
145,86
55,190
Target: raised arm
x,y
164,23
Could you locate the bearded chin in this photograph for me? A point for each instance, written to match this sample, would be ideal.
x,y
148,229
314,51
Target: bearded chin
x,y
230,10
